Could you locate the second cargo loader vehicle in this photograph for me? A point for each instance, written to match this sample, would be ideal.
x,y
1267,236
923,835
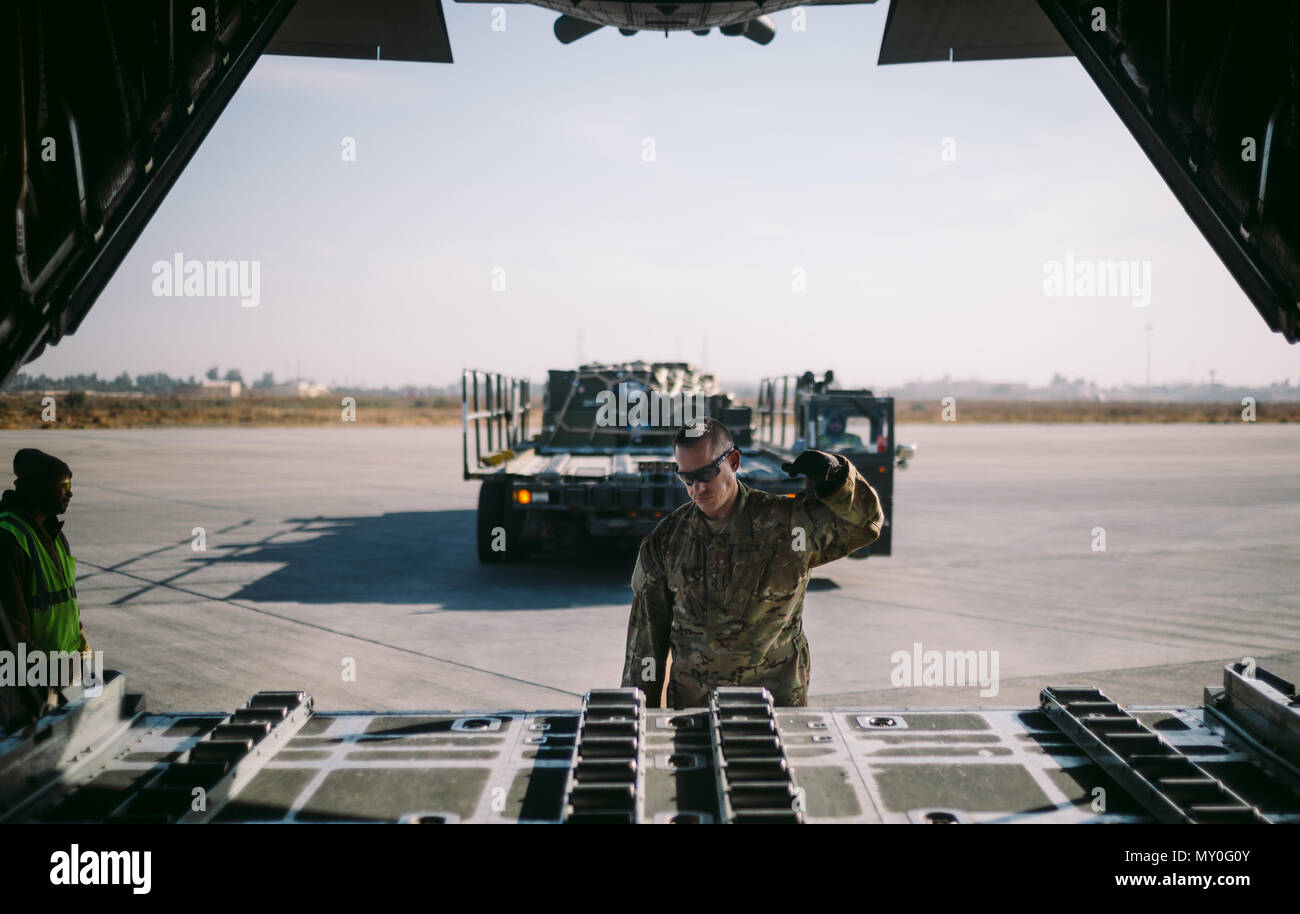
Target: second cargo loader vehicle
x,y
601,464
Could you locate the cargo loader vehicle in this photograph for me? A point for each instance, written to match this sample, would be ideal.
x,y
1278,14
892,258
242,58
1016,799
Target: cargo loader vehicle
x,y
600,464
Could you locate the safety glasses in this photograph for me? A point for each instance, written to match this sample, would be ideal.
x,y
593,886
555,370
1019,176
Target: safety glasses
x,y
705,473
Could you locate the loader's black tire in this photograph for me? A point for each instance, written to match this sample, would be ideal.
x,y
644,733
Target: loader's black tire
x,y
493,505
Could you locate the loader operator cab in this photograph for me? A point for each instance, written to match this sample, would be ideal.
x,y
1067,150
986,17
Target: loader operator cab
x,y
849,428
835,436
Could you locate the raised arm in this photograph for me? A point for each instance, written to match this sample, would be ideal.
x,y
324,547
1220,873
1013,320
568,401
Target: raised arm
x,y
845,514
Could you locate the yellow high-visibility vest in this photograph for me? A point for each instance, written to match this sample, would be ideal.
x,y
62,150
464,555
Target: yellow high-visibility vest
x,y
51,590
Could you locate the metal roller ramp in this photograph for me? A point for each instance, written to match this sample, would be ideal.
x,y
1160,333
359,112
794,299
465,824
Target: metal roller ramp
x,y
1077,758
1166,782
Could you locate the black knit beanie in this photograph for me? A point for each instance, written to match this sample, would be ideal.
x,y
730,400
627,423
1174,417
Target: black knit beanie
x,y
35,468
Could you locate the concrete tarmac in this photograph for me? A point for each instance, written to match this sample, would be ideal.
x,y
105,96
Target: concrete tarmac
x,y
342,561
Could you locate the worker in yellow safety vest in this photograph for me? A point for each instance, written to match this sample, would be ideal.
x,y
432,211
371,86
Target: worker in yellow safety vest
x,y
38,582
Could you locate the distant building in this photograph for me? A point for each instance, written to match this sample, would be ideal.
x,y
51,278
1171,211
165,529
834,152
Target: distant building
x,y
211,390
293,388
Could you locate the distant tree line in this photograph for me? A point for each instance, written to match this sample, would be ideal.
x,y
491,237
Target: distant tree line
x,y
157,383
161,383
148,383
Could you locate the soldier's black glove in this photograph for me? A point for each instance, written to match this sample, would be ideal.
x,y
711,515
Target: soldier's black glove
x,y
826,472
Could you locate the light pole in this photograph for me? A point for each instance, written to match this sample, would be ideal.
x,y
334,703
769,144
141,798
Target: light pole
x,y
1148,328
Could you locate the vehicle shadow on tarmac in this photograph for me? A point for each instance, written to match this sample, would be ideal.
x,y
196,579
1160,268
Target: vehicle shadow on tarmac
x,y
420,557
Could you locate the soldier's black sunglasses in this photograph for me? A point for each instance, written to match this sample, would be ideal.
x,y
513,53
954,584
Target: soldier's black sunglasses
x,y
704,474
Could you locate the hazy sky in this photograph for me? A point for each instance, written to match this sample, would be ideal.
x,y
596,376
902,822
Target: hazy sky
x,y
528,158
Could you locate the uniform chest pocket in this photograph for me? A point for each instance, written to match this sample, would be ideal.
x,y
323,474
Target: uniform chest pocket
x,y
684,578
686,571
782,577
765,574
742,568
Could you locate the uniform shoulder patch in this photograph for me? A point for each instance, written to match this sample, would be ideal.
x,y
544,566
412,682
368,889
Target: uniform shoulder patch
x,y
765,504
638,577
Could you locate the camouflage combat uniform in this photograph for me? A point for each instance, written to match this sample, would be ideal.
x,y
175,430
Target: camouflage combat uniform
x,y
730,605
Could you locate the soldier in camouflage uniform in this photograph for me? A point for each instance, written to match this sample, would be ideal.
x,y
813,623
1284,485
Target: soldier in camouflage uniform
x,y
721,580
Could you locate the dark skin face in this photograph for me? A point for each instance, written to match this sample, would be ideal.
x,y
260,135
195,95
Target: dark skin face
x,y
716,497
53,498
